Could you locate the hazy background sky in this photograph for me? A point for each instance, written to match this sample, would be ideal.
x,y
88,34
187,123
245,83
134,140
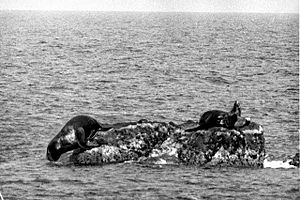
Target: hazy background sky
x,y
261,6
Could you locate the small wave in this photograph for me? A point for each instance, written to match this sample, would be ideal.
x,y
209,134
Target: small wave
x,y
217,80
42,180
42,42
286,72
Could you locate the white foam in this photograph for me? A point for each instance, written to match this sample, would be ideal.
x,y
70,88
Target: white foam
x,y
161,162
274,164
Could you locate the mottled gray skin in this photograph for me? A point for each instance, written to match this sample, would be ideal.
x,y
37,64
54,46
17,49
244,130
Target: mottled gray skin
x,y
75,134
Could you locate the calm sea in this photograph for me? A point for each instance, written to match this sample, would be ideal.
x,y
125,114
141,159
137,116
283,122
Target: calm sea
x,y
121,67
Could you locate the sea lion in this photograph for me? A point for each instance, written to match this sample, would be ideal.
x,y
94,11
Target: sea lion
x,y
236,109
75,134
219,118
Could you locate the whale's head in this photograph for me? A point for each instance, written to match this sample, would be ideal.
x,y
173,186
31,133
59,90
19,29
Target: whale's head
x,y
63,142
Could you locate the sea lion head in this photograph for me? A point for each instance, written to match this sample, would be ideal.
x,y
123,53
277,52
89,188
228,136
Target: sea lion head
x,y
64,141
236,109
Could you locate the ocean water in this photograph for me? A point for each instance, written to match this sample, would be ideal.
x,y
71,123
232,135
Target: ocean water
x,y
121,67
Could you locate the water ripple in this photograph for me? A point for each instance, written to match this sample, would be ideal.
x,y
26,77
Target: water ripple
x,y
162,66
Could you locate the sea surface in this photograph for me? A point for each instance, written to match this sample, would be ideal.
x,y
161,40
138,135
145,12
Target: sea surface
x,y
123,66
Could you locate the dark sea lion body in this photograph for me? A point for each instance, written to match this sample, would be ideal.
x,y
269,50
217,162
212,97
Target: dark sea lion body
x,y
219,118
73,135
215,118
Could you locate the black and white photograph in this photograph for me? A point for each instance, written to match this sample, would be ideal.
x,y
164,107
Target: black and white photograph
x,y
149,100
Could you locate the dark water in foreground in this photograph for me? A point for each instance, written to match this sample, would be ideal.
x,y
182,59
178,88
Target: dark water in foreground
x,y
121,67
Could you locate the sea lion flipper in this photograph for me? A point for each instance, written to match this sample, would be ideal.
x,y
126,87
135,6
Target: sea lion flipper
x,y
93,134
81,138
87,143
105,128
94,140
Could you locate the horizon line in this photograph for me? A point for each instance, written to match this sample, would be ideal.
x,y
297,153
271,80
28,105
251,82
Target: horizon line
x,y
149,11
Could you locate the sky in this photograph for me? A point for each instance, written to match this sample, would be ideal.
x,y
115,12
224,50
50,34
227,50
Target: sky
x,y
256,6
